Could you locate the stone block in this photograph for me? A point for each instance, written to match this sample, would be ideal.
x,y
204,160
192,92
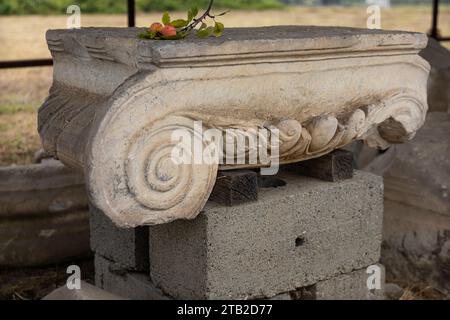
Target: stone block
x,y
131,285
294,236
335,166
128,248
235,187
348,286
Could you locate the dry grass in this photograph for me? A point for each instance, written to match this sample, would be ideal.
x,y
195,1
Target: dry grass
x,y
24,36
423,292
21,91
18,137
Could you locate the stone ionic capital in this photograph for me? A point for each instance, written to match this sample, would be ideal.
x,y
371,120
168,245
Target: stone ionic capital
x,y
116,102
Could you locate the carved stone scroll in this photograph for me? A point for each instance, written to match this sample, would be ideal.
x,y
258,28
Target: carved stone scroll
x,y
117,100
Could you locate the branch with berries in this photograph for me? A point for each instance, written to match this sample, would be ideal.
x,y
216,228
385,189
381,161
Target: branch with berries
x,y
180,28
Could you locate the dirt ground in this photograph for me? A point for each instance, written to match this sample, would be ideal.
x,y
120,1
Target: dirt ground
x,y
23,37
36,283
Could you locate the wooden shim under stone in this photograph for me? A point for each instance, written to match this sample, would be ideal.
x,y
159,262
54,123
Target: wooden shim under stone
x,y
335,166
235,187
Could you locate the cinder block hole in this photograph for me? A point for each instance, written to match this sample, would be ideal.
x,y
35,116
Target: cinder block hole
x,y
270,182
299,241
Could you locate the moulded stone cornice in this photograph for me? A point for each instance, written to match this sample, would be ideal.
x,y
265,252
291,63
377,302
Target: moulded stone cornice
x,y
116,100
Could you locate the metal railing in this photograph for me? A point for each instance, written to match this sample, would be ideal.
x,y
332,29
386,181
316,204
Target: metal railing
x,y
434,33
131,13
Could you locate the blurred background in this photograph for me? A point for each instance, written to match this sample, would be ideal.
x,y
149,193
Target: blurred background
x,y
30,267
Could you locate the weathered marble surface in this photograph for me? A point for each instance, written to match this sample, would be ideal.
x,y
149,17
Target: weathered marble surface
x,y
116,100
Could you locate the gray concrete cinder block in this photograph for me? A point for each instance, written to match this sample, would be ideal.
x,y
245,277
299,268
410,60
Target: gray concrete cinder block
x,y
128,248
294,236
127,284
348,286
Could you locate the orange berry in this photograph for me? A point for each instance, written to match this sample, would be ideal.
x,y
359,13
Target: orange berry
x,y
156,27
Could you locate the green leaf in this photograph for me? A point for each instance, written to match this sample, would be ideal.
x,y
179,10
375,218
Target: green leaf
x,y
182,34
180,23
218,29
147,35
203,26
166,18
192,13
206,32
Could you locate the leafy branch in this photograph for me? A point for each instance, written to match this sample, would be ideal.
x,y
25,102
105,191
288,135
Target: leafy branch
x,y
181,28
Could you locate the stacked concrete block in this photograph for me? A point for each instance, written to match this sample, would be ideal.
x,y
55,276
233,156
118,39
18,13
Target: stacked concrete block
x,y
348,286
308,233
128,248
294,236
125,283
121,259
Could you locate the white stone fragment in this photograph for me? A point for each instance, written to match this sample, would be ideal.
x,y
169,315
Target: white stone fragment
x,y
117,99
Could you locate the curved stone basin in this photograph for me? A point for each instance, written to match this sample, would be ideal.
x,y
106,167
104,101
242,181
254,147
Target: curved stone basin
x,y
43,215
